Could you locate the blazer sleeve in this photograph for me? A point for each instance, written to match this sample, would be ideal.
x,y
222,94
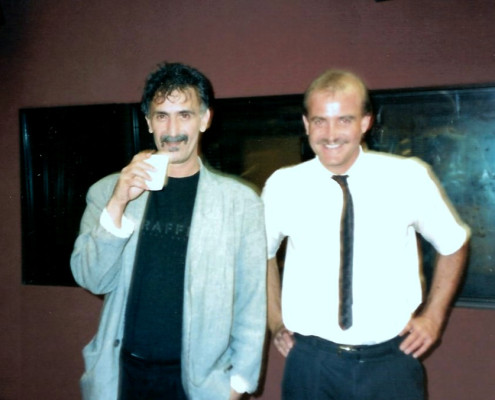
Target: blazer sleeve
x,y
96,260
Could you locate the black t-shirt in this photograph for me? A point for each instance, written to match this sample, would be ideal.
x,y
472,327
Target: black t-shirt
x,y
153,325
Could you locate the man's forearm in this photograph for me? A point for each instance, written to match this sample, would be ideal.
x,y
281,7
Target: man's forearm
x,y
274,293
447,276
424,330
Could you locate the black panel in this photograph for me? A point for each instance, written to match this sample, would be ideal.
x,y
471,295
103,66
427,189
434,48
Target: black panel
x,y
453,130
63,151
238,120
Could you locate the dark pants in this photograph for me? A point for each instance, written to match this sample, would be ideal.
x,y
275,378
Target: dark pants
x,y
144,380
317,369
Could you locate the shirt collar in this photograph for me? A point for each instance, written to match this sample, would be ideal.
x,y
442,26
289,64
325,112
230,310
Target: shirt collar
x,y
355,167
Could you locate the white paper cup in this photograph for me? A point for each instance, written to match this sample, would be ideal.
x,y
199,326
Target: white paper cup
x,y
159,176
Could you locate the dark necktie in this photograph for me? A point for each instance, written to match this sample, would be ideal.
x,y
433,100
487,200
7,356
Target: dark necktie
x,y
346,245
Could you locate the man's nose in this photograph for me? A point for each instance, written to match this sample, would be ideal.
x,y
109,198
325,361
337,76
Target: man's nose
x,y
173,127
330,131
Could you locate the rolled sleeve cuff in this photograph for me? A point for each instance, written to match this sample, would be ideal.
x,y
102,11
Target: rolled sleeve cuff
x,y
239,384
123,232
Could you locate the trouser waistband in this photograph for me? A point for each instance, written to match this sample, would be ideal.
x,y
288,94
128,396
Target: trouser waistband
x,y
362,351
133,357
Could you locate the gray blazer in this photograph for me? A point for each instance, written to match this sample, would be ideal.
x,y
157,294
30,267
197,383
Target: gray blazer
x,y
224,317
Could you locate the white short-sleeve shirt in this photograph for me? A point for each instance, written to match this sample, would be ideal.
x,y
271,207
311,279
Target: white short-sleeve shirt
x,y
393,198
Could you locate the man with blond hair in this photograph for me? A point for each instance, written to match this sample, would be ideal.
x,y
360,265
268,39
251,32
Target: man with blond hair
x,y
348,315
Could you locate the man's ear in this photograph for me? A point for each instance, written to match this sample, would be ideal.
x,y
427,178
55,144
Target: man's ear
x,y
148,121
206,120
366,123
306,124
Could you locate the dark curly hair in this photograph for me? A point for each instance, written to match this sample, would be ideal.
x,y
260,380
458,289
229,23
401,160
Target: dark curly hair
x,y
169,77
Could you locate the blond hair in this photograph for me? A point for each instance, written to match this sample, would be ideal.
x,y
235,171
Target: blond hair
x,y
333,81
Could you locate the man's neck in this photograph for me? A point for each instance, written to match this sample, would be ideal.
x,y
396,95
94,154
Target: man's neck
x,y
184,170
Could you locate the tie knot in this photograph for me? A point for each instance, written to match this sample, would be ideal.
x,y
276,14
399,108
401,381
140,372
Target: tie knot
x,y
340,179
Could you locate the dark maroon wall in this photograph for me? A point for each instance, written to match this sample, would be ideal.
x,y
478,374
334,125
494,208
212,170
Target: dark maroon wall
x,y
99,51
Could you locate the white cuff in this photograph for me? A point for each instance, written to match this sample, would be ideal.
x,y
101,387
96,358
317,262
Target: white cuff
x,y
239,384
123,232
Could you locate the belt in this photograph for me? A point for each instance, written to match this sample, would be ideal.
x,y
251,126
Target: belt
x,y
357,351
137,358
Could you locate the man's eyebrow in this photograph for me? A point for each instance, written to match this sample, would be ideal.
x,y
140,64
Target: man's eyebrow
x,y
184,111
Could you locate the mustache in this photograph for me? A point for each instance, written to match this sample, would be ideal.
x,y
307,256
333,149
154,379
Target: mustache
x,y
174,139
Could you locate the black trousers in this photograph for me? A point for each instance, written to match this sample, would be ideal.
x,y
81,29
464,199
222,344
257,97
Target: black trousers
x,y
144,380
317,369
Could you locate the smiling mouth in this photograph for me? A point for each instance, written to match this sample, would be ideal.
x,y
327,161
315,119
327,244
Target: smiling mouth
x,y
332,145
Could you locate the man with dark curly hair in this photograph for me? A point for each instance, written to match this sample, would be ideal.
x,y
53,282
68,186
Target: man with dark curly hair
x,y
182,269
